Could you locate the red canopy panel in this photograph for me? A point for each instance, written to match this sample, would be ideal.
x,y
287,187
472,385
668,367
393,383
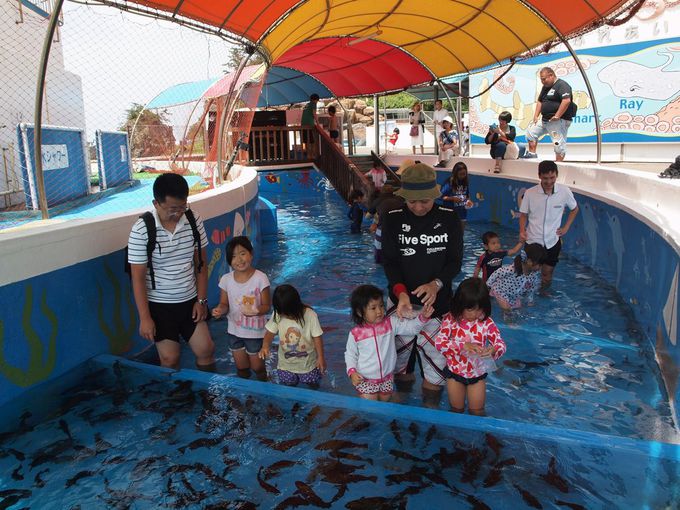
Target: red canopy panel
x,y
368,67
247,18
571,16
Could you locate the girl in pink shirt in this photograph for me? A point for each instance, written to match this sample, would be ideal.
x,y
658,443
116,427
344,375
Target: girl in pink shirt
x,y
470,341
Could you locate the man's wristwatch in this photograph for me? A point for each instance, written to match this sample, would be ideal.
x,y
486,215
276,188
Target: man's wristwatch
x,y
202,301
438,283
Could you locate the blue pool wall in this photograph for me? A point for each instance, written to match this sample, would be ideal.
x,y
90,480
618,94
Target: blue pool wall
x,y
66,298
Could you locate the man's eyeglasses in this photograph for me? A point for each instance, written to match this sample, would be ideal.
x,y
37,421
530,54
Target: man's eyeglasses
x,y
175,209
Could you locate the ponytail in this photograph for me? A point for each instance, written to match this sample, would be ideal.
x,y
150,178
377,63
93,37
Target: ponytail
x,y
517,263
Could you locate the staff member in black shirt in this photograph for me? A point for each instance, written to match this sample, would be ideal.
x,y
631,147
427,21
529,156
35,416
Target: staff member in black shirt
x,y
422,245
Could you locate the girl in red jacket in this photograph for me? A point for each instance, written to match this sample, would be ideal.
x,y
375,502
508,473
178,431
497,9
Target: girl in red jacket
x,y
470,342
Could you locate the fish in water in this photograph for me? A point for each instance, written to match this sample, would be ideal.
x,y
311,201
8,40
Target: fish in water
x,y
338,454
477,504
202,442
371,503
331,418
472,465
101,445
430,434
405,455
275,468
310,416
363,424
79,476
266,486
282,446
414,430
38,480
117,370
294,410
394,427
16,475
528,497
553,477
64,427
573,506
292,502
339,444
51,452
4,452
11,497
494,475
344,425
493,443
274,412
308,493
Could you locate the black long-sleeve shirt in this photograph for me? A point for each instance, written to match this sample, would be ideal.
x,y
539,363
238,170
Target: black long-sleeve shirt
x,y
418,249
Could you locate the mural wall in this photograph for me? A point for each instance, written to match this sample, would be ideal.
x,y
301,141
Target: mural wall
x,y
637,86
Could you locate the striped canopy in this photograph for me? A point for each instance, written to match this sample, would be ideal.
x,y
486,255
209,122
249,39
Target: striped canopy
x,y
370,46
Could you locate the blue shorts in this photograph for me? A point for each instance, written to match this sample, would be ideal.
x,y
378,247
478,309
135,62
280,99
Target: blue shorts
x,y
461,212
251,345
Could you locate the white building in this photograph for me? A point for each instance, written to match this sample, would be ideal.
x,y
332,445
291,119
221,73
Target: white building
x,y
23,25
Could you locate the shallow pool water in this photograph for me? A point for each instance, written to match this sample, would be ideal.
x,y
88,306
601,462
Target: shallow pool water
x,y
575,360
112,435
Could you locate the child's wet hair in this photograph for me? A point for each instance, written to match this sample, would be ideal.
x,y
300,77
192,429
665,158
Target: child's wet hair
x,y
242,241
465,181
355,195
286,302
471,293
488,236
534,252
360,298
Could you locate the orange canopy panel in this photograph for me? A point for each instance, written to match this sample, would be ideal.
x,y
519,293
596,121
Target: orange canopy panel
x,y
443,37
365,68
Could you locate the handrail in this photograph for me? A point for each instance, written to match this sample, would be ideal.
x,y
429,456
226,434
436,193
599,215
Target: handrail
x,y
388,170
280,145
339,169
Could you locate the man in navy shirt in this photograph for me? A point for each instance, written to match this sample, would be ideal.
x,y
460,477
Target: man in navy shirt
x,y
556,108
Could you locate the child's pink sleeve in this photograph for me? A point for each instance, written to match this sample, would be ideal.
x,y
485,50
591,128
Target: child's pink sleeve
x,y
493,335
443,340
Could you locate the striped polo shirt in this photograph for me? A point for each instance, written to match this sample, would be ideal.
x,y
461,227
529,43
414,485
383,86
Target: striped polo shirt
x,y
172,259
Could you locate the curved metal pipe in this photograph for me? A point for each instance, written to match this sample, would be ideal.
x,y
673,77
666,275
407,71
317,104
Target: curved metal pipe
x,y
564,41
39,91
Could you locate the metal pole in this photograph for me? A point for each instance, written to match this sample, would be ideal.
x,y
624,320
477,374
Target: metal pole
x,y
436,98
229,107
39,91
448,98
598,130
376,122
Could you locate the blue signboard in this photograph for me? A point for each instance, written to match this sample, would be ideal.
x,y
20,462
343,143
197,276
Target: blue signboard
x,y
65,172
113,158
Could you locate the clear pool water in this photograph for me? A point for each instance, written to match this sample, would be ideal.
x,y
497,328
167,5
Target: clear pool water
x,y
116,436
576,360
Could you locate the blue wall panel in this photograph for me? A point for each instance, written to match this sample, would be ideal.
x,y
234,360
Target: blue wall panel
x,y
63,160
113,158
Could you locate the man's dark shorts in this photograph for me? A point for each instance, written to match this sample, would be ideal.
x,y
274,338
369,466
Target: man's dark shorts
x,y
173,320
553,254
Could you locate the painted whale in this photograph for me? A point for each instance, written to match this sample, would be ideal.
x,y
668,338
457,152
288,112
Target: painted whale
x,y
630,79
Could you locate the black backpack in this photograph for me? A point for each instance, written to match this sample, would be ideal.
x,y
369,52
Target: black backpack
x,y
150,223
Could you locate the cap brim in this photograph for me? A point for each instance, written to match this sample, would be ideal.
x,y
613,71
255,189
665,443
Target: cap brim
x,y
426,194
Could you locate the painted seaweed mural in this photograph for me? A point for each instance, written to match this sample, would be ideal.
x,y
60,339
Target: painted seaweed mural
x,y
40,363
120,337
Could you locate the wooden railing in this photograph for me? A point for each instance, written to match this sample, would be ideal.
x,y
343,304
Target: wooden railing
x,y
391,175
273,145
340,171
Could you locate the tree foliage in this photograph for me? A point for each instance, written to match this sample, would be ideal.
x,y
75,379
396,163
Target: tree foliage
x,y
236,54
152,134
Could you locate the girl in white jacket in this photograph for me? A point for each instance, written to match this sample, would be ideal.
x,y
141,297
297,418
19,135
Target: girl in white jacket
x,y
371,354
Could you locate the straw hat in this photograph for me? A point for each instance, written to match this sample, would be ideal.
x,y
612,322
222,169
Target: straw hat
x,y
419,182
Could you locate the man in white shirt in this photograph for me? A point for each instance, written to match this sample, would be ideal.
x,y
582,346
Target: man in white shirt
x,y
171,293
438,117
541,212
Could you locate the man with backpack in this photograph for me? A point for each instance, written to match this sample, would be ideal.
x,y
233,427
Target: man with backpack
x,y
556,107
166,251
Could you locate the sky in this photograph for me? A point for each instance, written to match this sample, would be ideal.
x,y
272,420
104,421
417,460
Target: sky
x,y
124,59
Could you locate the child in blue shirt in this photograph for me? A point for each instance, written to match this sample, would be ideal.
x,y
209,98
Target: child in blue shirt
x,y
493,256
356,210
